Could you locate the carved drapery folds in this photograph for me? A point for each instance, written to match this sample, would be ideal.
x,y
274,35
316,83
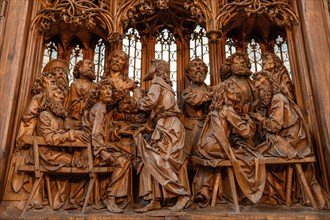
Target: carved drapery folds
x,y
88,13
279,12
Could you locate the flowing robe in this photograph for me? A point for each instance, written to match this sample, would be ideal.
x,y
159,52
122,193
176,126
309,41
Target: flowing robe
x,y
76,101
285,133
163,173
195,109
29,119
228,135
286,137
52,128
119,183
283,79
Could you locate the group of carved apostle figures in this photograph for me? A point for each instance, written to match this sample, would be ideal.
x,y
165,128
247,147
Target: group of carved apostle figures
x,y
244,119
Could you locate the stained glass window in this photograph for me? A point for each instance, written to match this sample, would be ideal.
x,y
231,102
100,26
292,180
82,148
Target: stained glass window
x,y
199,48
99,59
133,47
165,49
75,56
254,53
230,47
50,53
281,50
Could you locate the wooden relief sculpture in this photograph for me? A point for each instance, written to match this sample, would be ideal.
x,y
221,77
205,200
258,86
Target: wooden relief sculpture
x,y
80,90
60,70
197,99
284,135
163,172
105,152
228,134
249,126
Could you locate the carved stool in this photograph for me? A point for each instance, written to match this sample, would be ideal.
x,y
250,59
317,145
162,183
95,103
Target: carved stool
x,y
39,172
268,160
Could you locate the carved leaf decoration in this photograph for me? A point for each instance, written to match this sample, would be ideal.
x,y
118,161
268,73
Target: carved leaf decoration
x,y
75,12
279,12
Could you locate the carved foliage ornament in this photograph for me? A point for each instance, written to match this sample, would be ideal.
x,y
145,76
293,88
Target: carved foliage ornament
x,y
278,11
75,12
138,11
195,9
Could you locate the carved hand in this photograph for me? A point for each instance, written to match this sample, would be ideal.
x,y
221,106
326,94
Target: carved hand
x,y
83,136
257,116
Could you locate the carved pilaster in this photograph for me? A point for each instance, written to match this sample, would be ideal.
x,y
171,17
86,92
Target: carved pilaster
x,y
3,8
214,37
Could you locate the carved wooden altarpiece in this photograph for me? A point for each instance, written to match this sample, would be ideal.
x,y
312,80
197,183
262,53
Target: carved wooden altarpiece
x,y
172,109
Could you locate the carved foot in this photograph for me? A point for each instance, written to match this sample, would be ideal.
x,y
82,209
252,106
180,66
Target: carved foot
x,y
180,204
153,205
112,206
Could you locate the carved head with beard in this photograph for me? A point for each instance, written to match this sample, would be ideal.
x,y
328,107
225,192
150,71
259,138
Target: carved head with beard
x,y
53,101
84,69
266,86
239,64
196,71
117,65
60,69
159,68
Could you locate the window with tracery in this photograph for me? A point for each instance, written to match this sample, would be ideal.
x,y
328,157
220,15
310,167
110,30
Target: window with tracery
x,y
75,56
50,53
133,47
281,50
99,59
165,49
254,53
199,47
230,47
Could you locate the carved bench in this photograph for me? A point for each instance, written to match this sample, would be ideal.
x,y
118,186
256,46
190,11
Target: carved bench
x,y
39,171
218,164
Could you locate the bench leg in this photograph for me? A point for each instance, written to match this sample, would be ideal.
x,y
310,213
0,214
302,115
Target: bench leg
x,y
89,190
33,191
305,185
49,195
216,183
288,185
233,188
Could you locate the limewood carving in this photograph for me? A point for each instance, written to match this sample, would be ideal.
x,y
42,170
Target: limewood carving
x,y
248,125
75,12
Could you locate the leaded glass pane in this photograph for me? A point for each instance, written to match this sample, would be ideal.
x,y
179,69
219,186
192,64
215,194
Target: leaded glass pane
x,y
99,59
50,53
165,49
254,53
199,47
230,47
133,47
75,56
281,50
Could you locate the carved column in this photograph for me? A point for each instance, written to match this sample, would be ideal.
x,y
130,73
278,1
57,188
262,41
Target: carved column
x,y
310,49
3,16
144,59
216,49
17,74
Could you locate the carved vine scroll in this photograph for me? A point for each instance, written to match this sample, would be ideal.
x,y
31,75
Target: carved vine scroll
x,y
279,12
75,12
